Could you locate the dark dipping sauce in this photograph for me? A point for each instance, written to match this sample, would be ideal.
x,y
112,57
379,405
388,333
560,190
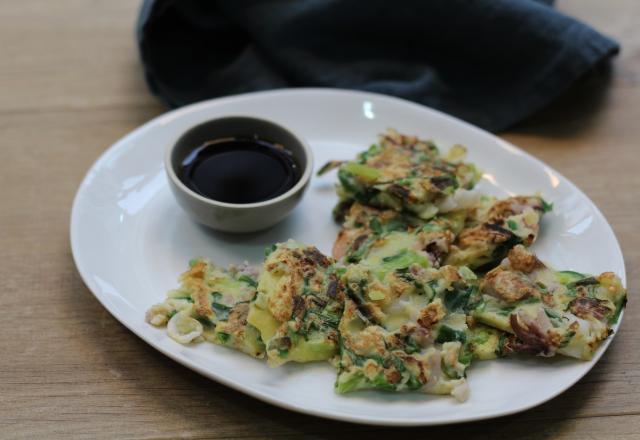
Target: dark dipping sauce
x,y
240,170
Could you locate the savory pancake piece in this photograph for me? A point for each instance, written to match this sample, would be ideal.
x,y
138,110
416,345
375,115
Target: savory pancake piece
x,y
362,224
548,312
299,304
366,229
406,359
477,237
211,304
404,328
406,174
374,358
494,227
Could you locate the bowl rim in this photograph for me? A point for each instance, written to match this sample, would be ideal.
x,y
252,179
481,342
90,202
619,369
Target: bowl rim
x,y
300,184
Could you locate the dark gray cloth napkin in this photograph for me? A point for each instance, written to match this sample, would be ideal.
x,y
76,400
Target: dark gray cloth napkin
x,y
490,62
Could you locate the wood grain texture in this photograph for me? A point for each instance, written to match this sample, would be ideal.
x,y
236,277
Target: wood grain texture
x,y
70,85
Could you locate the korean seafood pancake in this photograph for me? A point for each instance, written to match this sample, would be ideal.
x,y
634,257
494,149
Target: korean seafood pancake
x,y
298,305
548,312
212,304
405,174
425,278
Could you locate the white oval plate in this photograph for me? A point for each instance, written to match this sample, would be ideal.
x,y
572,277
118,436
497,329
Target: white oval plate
x,y
130,241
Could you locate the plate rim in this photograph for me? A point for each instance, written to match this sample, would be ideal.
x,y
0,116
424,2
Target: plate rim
x,y
265,397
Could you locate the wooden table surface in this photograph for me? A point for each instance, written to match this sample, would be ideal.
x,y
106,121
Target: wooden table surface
x,y
71,85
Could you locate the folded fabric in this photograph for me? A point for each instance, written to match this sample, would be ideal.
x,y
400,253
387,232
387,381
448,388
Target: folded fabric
x,y
490,62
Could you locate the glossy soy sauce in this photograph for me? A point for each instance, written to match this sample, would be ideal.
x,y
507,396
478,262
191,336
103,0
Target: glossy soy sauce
x,y
240,170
